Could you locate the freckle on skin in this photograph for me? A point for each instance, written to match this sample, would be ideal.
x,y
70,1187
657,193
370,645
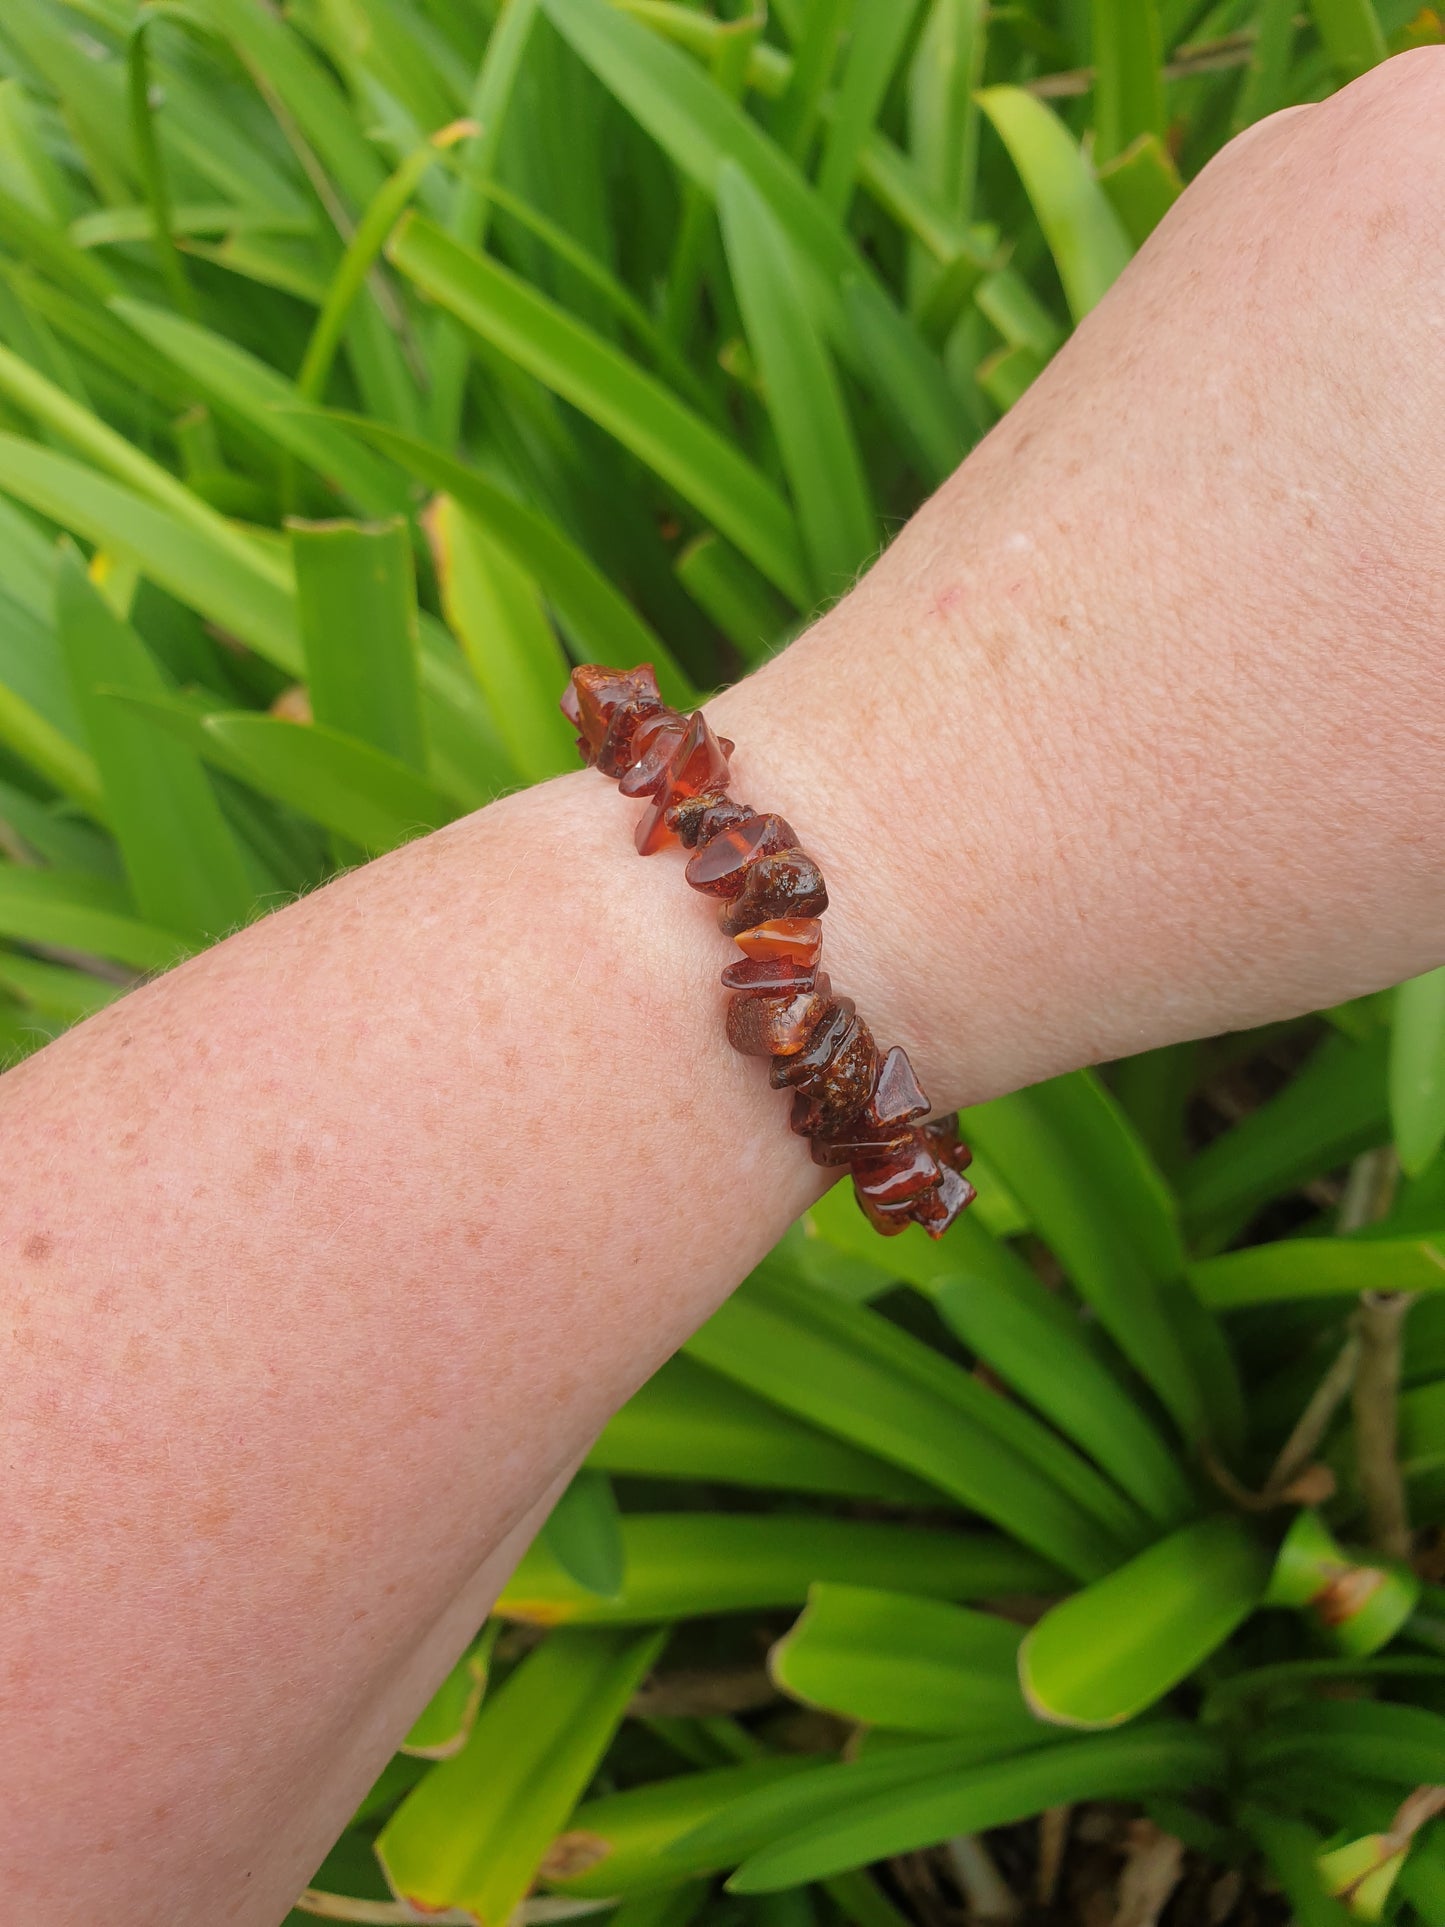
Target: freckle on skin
x,y
37,1247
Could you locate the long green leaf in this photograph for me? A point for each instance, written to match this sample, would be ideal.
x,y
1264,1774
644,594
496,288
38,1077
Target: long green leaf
x,y
681,1563
880,33
1128,77
583,1534
1110,1651
77,912
805,404
892,1660
1417,1070
850,1371
356,601
630,404
1089,246
1152,1760
689,1423
185,867
475,1830
495,610
1068,1153
1320,1268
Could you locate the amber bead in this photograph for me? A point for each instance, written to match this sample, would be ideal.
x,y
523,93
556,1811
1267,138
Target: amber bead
x,y
947,1146
618,751
720,867
698,764
910,1171
654,743
694,819
597,692
821,1046
839,1089
789,884
769,973
897,1095
937,1209
766,1026
855,1142
800,938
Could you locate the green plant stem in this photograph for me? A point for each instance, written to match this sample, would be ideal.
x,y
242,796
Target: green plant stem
x,y
1380,1323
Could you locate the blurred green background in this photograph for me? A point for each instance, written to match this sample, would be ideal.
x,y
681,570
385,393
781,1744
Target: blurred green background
x,y
362,364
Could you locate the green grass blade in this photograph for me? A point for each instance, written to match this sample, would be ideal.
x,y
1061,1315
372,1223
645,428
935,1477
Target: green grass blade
x,y
853,1373
604,627
1417,1071
644,416
76,912
98,443
467,219
336,780
1353,38
185,867
445,1723
1142,184
152,168
1319,1268
1085,235
880,31
1070,1156
805,403
991,1299
472,1834
911,1665
356,602
795,121
1128,75
689,1423
1119,1646
55,989
750,614
51,753
683,1563
243,385
495,610
583,1533
700,128
386,208
942,111
1155,1759
235,587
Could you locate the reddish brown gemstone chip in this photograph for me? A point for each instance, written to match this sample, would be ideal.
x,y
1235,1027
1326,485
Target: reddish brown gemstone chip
x,y
769,973
721,865
789,884
800,938
764,1026
856,1108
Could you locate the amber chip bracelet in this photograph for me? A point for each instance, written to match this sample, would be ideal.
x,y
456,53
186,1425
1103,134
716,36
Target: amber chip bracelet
x,y
855,1104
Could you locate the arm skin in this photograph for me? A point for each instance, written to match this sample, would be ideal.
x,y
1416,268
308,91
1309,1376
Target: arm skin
x,y
330,1252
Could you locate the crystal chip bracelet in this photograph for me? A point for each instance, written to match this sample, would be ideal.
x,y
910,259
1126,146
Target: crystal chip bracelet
x,y
856,1104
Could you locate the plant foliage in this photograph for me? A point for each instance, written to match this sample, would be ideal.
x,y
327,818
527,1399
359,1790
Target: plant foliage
x,y
361,362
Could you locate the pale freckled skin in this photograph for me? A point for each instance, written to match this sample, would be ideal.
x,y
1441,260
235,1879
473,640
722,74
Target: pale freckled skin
x,y
328,1254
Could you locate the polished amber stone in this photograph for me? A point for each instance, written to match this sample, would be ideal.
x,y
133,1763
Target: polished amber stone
x,y
694,819
698,765
789,884
905,1174
838,1090
769,973
720,867
897,1096
619,745
654,743
854,1142
825,1040
947,1146
937,1209
766,1026
800,938
595,692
